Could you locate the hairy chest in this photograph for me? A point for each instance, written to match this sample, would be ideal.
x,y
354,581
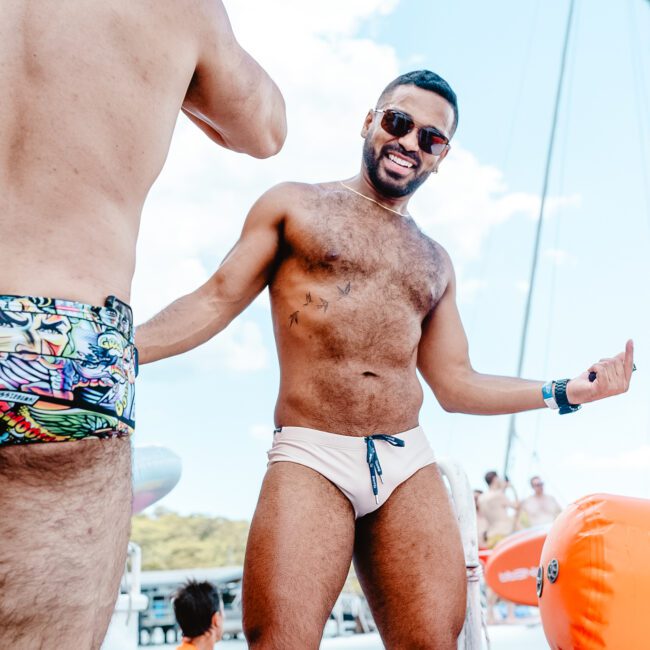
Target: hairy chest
x,y
384,258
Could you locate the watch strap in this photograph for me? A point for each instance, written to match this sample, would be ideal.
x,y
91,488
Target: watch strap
x,y
562,399
547,395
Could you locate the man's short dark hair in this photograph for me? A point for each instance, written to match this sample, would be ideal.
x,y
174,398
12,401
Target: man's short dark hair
x,y
426,80
194,606
490,476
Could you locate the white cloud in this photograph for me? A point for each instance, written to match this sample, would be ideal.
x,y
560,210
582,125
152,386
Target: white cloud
x,y
467,199
469,288
292,19
240,347
262,432
632,459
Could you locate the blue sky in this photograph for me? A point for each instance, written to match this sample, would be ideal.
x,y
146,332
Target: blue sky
x,y
214,406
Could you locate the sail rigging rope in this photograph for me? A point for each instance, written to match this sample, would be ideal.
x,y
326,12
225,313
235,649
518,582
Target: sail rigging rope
x,y
642,108
540,220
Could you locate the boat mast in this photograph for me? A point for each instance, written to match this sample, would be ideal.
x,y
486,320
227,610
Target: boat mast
x,y
512,430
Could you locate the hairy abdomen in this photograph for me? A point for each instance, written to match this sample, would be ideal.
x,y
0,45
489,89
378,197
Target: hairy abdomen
x,y
350,398
350,369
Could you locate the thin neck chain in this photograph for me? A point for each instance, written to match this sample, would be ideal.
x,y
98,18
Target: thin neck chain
x,y
381,205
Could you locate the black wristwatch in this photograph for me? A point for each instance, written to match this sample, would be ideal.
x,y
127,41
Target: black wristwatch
x,y
561,398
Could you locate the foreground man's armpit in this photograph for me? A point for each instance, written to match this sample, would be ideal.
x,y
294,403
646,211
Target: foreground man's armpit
x,y
67,370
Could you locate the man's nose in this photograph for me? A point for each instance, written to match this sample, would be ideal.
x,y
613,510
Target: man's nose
x,y
410,140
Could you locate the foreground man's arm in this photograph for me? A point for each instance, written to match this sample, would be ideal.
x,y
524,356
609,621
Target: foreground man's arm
x,y
231,98
198,316
443,361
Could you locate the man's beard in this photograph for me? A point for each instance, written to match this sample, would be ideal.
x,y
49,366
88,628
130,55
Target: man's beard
x,y
398,187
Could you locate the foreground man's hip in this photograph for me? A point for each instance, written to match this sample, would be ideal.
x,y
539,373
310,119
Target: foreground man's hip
x,y
67,370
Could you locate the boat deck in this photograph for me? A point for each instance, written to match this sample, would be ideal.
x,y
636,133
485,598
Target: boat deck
x,y
502,637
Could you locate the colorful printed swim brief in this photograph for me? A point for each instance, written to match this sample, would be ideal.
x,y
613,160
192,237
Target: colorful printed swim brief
x,y
67,370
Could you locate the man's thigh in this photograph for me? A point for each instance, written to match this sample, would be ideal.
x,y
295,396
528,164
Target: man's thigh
x,y
297,558
409,560
64,531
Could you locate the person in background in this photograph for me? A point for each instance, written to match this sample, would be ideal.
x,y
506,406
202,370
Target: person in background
x,y
198,608
481,521
497,509
539,508
499,513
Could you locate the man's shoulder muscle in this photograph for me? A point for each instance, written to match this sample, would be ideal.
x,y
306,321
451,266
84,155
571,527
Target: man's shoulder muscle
x,y
276,204
445,264
284,195
290,198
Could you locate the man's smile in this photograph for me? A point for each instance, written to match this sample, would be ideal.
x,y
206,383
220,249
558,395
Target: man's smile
x,y
398,163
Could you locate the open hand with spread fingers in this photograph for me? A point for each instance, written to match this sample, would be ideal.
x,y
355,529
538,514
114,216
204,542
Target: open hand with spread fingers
x,y
603,379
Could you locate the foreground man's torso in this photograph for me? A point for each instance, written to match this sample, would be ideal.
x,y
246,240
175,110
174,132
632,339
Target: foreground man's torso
x,y
352,288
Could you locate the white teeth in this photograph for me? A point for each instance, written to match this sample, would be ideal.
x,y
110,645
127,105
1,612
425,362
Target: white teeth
x,y
400,161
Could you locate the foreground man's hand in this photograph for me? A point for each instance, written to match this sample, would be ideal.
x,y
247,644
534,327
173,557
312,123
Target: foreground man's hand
x,y
612,378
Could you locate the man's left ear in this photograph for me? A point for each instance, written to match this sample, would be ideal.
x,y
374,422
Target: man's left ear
x,y
366,123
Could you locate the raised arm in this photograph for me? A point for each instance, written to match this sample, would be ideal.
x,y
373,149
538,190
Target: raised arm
x,y
198,316
443,361
231,98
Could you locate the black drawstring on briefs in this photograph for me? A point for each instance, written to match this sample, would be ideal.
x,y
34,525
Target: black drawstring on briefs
x,y
373,459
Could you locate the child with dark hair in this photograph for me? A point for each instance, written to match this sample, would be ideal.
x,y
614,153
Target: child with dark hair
x,y
199,611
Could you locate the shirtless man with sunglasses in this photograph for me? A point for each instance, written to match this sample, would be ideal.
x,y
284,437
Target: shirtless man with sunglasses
x,y
92,91
361,299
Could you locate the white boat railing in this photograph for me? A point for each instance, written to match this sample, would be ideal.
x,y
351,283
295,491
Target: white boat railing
x,y
123,631
462,496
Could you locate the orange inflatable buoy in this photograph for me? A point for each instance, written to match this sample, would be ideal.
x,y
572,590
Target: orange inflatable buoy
x,y
594,578
511,568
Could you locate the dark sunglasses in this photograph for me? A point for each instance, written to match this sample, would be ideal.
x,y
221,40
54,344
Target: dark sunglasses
x,y
399,124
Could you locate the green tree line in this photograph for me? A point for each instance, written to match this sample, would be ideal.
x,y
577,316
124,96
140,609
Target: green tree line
x,y
172,541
